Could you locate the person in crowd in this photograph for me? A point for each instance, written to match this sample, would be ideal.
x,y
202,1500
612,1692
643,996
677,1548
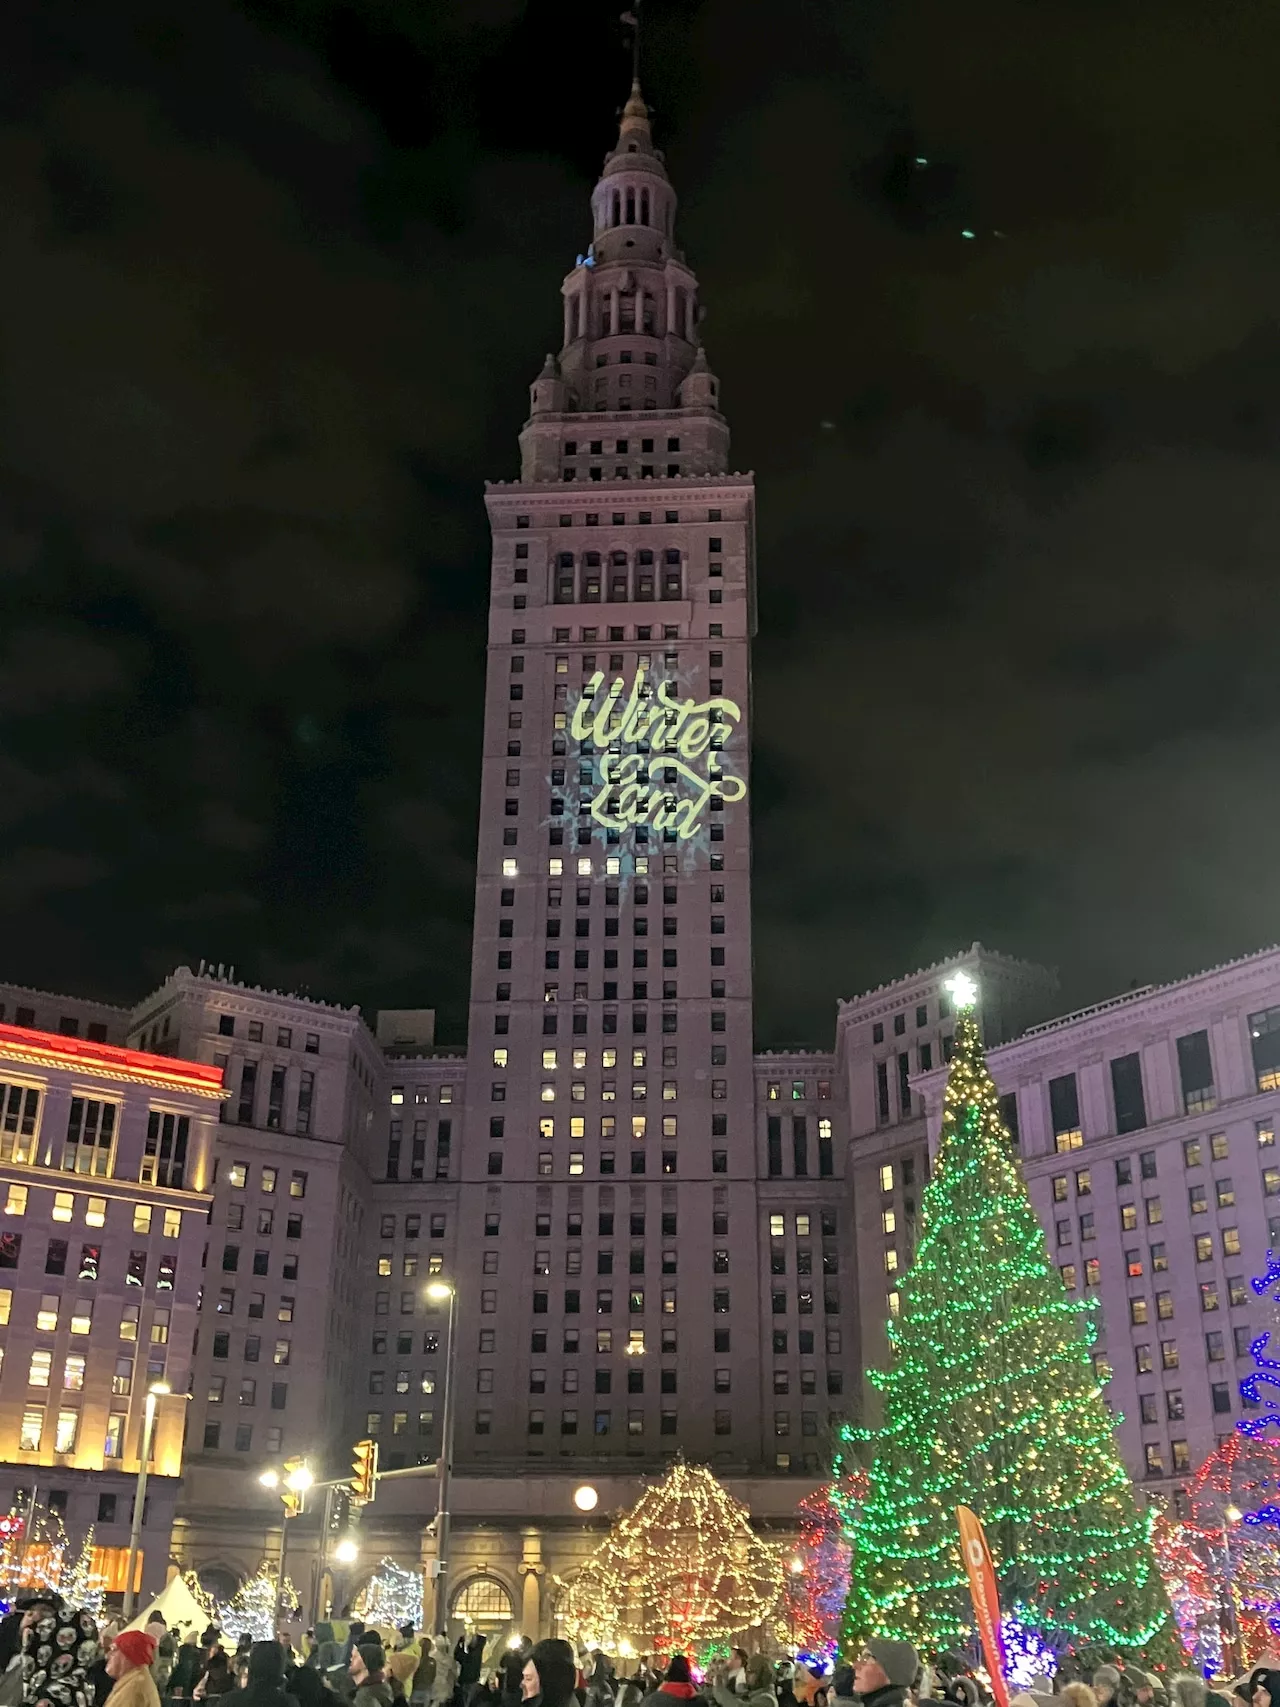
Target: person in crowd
x,y
841,1694
677,1685
551,1673
128,1665
407,1640
446,1672
355,1635
510,1666
58,1647
264,1679
327,1654
166,1650
188,1664
368,1672
885,1671
217,1678
401,1666
1106,1685
756,1686
303,1683
212,1633
468,1653
424,1675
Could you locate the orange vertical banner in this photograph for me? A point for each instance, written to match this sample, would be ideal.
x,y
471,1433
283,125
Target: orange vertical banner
x,y
981,1572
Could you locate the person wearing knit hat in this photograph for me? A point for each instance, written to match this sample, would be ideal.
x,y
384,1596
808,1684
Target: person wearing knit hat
x,y
129,1665
884,1671
1266,1688
1106,1684
368,1662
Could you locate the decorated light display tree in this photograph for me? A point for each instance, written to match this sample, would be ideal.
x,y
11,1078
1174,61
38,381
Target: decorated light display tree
x,y
991,1401
83,1585
1221,1562
393,1596
818,1571
256,1605
678,1572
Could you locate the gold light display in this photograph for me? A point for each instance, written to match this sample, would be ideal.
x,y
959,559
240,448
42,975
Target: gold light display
x,y
682,1568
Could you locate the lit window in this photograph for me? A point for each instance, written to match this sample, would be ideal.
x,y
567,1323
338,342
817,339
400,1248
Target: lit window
x,y
16,1201
73,1373
499,1057
612,865
237,1173
549,1060
548,1093
891,1261
555,867
172,1223
886,1177
889,1221
31,1431
575,1161
777,1226
142,1217
584,865
47,1314
64,1204
41,1364
82,1317
95,1212
511,868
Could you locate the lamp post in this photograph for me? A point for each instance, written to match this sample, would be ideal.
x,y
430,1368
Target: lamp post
x,y
156,1391
438,1291
292,1488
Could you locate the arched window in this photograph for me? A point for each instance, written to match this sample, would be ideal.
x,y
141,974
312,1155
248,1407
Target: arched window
x,y
631,207
616,211
644,207
483,1602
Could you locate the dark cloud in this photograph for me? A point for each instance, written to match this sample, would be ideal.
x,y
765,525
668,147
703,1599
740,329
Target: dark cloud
x,y
274,280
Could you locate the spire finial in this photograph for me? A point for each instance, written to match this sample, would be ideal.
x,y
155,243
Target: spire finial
x,y
631,18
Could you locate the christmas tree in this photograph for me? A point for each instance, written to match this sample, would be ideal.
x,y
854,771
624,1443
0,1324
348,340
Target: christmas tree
x,y
393,1596
680,1570
992,1401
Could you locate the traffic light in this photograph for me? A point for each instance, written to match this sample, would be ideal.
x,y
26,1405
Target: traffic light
x,y
297,1479
364,1469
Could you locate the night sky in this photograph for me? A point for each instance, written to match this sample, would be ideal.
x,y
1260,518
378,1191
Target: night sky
x,y
275,280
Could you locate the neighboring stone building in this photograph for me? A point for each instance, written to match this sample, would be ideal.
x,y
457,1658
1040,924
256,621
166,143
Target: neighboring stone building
x,y
106,1162
1148,1128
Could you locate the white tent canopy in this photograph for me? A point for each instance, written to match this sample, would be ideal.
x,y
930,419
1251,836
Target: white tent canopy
x,y
176,1605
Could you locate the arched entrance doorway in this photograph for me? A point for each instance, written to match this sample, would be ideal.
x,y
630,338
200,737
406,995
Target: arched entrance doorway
x,y
484,1603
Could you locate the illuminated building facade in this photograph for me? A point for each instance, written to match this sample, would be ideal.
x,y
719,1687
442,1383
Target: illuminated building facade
x,y
106,1158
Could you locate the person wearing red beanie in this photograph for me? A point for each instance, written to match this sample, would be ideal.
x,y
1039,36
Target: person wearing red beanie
x,y
129,1665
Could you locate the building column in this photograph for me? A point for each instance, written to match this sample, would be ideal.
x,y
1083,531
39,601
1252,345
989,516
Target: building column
x,y
531,1569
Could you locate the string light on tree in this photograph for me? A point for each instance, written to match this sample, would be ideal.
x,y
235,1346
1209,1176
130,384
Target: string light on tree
x,y
991,1400
393,1596
680,1570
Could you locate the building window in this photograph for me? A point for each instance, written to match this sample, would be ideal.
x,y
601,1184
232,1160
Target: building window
x,y
1127,1093
1195,1073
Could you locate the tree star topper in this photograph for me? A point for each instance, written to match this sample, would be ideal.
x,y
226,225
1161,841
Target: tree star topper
x,y
964,991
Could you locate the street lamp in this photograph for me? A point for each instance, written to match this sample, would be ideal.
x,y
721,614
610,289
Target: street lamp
x,y
438,1292
346,1552
291,1487
157,1390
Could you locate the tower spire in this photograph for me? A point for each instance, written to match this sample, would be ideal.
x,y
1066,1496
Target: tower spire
x,y
631,19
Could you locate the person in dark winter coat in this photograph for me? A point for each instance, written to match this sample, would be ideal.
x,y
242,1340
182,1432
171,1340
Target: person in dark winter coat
x,y
553,1668
187,1666
842,1687
469,1654
304,1684
885,1671
264,1685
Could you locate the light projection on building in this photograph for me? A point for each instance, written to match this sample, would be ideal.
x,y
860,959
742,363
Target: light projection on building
x,y
658,754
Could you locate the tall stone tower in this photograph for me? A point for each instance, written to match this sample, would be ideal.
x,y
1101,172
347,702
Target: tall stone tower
x,y
608,1270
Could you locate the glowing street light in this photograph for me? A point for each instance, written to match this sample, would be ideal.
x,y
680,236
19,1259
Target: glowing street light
x,y
299,1479
440,1292
964,990
586,1498
270,1478
346,1552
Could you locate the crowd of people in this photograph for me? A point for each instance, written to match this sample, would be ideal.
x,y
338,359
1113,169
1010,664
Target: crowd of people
x,y
55,1656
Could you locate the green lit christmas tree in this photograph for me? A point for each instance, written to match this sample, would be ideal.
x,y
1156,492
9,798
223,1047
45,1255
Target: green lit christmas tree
x,y
991,1401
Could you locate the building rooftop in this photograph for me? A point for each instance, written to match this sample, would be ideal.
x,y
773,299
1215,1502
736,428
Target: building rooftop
x,y
50,1049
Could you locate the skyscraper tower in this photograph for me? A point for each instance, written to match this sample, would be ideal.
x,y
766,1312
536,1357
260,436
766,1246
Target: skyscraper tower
x,y
608,1275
